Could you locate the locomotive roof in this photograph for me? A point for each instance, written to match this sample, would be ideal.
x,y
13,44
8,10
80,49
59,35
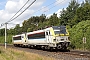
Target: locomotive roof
x,y
55,27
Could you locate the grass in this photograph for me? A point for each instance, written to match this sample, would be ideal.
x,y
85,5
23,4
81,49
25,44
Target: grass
x,y
14,54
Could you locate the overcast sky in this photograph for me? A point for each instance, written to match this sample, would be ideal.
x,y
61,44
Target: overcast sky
x,y
9,7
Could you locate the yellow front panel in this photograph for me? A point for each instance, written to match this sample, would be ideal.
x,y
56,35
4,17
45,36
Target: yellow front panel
x,y
52,31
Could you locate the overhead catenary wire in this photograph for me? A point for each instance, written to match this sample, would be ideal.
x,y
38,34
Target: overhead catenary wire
x,y
13,18
20,9
17,12
49,5
21,12
37,10
26,8
46,6
54,6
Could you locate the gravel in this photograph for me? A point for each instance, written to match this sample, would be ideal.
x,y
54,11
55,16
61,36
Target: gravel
x,y
56,55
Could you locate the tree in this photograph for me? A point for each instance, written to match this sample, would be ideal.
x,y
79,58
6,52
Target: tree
x,y
11,31
83,13
18,29
68,14
42,18
87,1
2,31
54,20
25,25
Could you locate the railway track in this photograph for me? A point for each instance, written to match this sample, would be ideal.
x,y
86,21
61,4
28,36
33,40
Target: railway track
x,y
72,55
81,53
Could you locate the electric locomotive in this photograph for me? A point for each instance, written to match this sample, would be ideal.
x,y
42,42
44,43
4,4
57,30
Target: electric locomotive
x,y
56,37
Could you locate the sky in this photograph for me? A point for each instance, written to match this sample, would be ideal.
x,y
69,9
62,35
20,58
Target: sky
x,y
9,7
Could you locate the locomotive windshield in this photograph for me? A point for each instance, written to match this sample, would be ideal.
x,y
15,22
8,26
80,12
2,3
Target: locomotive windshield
x,y
59,29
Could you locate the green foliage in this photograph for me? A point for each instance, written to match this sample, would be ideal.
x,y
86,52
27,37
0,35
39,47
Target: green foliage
x,y
9,39
68,14
53,20
83,13
2,39
77,32
18,29
2,32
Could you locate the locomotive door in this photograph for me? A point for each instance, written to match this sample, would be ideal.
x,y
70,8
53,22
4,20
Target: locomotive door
x,y
24,38
48,37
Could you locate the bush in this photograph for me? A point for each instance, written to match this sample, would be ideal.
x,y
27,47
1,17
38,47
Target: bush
x,y
77,32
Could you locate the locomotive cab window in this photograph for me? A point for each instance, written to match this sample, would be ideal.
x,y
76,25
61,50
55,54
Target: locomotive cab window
x,y
60,30
46,33
17,38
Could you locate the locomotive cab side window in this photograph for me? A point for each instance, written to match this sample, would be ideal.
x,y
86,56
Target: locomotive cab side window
x,y
46,33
